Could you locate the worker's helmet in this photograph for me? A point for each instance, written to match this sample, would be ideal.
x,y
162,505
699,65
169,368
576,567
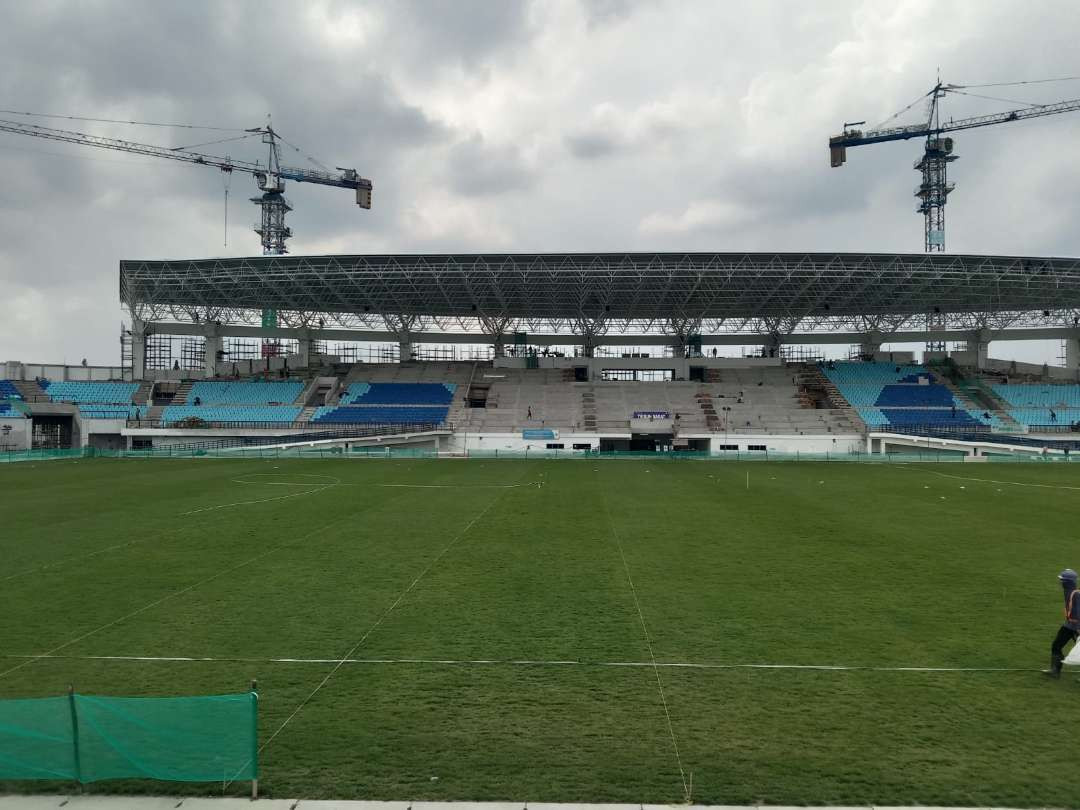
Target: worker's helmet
x,y
1068,575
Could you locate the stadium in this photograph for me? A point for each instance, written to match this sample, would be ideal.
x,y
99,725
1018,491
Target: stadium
x,y
553,527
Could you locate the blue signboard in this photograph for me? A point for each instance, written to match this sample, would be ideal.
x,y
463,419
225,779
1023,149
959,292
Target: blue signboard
x,y
538,433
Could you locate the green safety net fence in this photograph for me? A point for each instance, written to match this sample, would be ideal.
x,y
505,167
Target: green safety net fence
x,y
86,738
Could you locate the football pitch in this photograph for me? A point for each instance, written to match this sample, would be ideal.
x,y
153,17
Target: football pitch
x,y
567,630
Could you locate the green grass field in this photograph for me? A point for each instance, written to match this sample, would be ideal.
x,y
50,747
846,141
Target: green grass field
x,y
815,564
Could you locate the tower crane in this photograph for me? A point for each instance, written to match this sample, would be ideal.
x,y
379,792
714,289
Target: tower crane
x,y
935,187
270,178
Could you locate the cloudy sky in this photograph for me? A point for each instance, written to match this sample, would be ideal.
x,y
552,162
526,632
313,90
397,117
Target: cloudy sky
x,y
554,125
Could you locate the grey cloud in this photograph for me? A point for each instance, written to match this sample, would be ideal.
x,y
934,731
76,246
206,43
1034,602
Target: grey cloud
x,y
592,145
463,32
477,168
508,125
608,12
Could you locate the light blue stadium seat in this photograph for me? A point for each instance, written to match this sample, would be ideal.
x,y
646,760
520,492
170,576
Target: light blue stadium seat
x,y
882,393
277,414
245,392
107,393
1041,404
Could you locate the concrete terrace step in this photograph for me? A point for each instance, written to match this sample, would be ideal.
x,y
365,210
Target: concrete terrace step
x,y
142,393
182,393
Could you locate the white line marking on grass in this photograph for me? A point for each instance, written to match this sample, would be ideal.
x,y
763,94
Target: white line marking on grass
x,y
519,662
87,555
987,480
328,480
318,488
66,560
458,486
345,659
648,642
174,594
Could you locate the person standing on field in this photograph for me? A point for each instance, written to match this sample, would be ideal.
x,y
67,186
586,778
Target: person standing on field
x,y
1070,628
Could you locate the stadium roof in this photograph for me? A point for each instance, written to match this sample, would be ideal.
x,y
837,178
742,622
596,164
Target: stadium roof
x,y
639,286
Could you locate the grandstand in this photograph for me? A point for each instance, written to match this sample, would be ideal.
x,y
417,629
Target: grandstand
x,y
559,373
1040,405
886,394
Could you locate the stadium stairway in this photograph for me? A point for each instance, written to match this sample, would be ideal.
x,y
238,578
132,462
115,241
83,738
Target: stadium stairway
x,y
759,401
29,390
705,403
142,393
182,393
588,409
307,413
966,396
812,373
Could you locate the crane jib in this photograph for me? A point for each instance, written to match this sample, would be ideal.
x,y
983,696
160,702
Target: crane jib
x,y
268,176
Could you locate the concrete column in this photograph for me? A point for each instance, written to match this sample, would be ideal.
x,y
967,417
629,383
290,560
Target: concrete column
x,y
679,348
979,347
1072,353
211,348
405,348
304,349
772,345
870,344
138,350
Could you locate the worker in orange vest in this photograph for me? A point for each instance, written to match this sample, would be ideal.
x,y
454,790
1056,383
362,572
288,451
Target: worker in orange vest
x,y
1070,628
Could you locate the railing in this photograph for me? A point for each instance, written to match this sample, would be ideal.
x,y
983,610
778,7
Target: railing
x,y
981,434
356,432
197,423
1056,427
935,428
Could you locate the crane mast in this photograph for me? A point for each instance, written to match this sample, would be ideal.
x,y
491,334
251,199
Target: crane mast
x,y
933,192
269,178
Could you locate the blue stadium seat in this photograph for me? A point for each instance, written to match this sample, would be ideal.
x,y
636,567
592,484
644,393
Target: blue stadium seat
x,y
879,392
107,393
8,390
247,392
379,415
399,394
1038,404
915,396
278,414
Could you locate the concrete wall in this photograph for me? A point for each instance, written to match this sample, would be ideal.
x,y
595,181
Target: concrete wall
x,y
15,434
781,444
900,443
1058,373
679,365
105,434
14,370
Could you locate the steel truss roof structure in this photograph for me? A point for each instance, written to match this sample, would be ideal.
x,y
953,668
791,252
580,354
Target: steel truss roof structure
x,y
591,293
